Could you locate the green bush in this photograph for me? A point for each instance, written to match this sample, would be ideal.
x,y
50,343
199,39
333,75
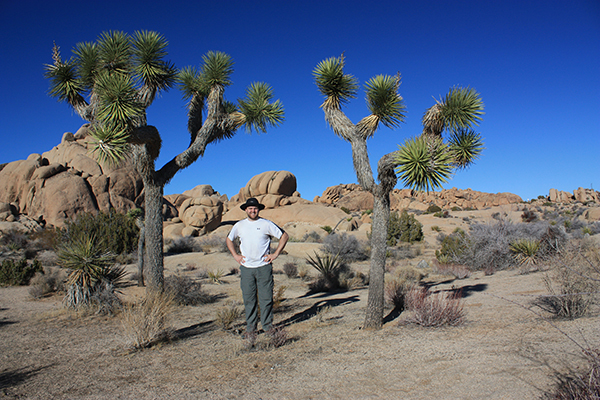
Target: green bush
x,y
433,209
453,246
403,228
117,232
345,209
18,273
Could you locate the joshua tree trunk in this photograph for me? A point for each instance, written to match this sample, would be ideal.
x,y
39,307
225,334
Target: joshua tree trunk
x,y
153,194
381,216
140,252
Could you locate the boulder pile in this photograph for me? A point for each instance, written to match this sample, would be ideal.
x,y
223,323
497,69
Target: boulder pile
x,y
59,184
53,187
354,198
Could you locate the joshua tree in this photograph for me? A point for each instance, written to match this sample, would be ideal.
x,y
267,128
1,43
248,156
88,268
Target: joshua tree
x,y
112,82
417,167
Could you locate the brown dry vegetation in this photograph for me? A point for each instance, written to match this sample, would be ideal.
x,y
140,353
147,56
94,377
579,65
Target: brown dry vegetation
x,y
501,351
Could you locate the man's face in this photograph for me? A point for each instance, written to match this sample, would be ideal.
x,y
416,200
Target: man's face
x,y
252,212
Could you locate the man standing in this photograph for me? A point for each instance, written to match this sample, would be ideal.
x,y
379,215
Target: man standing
x,y
256,268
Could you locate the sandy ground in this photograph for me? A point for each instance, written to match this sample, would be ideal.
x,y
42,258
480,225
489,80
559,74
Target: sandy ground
x,y
503,351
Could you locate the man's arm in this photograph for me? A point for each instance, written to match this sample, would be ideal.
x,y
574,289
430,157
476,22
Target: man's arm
x,y
282,242
238,257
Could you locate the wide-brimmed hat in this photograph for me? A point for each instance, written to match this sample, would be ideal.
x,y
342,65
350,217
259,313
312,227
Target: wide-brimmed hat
x,y
252,202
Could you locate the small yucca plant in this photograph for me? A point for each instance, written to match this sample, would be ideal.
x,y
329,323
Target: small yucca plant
x,y
92,269
525,251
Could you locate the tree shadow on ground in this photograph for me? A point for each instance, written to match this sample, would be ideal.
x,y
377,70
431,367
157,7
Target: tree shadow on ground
x,y
193,330
462,291
13,378
467,290
318,306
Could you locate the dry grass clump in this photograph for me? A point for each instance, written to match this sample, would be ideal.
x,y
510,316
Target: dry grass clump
x,y
227,315
395,292
278,296
146,323
456,270
186,291
579,385
434,309
290,270
404,279
211,244
216,276
279,336
573,282
51,281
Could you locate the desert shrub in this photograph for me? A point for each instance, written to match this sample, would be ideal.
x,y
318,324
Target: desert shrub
x,y
433,209
579,385
434,309
227,315
51,281
45,239
403,228
573,282
13,240
146,323
487,246
395,292
104,300
92,270
18,273
290,269
347,247
186,291
442,214
312,237
118,232
455,270
452,246
186,244
436,228
403,251
212,243
345,209
528,216
278,336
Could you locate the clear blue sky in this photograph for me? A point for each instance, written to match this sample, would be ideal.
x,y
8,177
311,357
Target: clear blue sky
x,y
535,63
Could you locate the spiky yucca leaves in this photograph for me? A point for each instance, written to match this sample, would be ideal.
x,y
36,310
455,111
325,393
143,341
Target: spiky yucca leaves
x,y
149,51
525,251
217,68
337,87
91,267
465,147
111,146
63,76
460,108
385,104
114,52
328,266
258,110
120,75
422,166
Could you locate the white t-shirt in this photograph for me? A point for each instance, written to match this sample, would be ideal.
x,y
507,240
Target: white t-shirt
x,y
255,239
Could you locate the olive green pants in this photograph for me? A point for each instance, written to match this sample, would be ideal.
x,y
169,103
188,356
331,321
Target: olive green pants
x,y
257,284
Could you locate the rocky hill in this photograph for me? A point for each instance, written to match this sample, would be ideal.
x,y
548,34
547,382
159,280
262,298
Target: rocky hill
x,y
50,188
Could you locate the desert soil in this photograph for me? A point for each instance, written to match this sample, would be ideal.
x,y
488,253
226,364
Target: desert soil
x,y
502,351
